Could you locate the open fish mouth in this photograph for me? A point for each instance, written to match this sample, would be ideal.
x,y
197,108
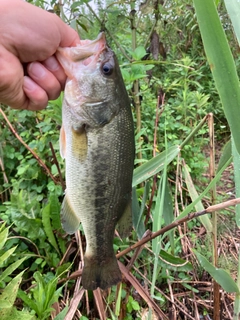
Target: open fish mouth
x,y
87,52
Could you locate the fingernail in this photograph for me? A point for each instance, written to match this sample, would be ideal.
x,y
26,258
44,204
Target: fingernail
x,y
29,84
36,69
51,63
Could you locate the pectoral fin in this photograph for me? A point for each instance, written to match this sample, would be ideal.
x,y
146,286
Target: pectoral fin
x,y
79,143
62,142
124,225
69,219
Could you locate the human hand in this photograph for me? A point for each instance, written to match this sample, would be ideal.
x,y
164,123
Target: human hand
x,y
31,36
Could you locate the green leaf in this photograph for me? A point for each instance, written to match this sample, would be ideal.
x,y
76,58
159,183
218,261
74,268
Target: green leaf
x,y
62,314
138,217
205,220
174,262
7,254
47,226
190,207
168,212
3,238
225,156
219,275
29,302
9,270
9,295
233,9
155,165
236,165
221,63
139,53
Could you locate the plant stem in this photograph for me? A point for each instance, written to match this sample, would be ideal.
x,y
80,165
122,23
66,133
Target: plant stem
x,y
216,287
40,162
136,97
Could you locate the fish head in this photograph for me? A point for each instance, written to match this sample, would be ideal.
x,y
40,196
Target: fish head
x,y
94,88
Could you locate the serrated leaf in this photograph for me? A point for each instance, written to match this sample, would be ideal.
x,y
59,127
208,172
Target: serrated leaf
x,y
3,238
47,226
221,276
9,294
9,270
7,254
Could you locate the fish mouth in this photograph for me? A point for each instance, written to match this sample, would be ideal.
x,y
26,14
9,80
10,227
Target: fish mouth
x,y
87,52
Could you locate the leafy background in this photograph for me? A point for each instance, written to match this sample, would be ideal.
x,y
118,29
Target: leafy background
x,y
182,262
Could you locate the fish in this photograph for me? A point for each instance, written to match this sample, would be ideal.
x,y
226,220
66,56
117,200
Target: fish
x,y
97,143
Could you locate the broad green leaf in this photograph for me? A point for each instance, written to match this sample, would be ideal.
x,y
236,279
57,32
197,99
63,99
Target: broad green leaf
x,y
139,53
205,220
221,276
155,165
233,9
236,164
221,63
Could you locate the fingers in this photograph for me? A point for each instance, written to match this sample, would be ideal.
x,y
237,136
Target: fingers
x,y
44,82
48,75
36,97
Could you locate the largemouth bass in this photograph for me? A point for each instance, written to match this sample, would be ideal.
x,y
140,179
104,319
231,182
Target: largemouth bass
x,y
97,142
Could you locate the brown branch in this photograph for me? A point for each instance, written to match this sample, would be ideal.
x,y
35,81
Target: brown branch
x,y
57,165
40,162
190,216
151,235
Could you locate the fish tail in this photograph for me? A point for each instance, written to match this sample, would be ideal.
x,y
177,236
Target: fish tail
x,y
103,274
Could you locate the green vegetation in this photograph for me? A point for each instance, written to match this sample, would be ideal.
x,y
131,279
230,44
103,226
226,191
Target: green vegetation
x,y
184,114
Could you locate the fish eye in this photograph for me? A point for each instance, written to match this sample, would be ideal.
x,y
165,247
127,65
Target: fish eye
x,y
107,69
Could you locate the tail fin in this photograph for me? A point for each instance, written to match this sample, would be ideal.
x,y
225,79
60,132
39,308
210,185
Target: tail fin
x,y
98,275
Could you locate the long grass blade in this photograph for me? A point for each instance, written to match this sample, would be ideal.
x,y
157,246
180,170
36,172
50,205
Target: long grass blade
x,y
221,63
205,220
155,165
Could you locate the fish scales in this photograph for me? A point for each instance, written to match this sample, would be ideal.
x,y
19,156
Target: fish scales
x,y
97,142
